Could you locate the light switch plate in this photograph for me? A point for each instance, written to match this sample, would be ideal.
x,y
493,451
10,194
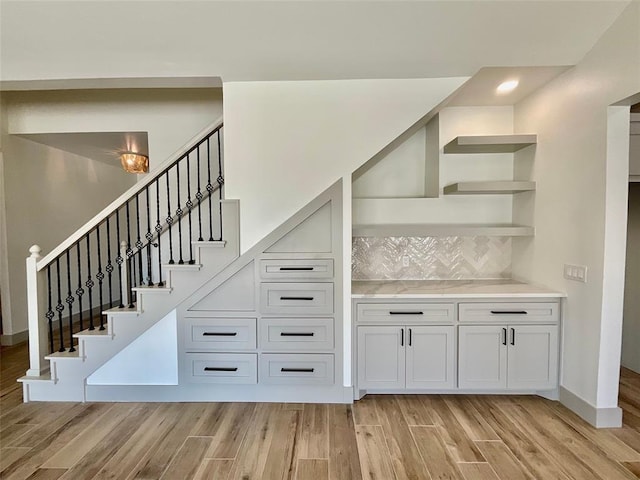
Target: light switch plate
x,y
577,273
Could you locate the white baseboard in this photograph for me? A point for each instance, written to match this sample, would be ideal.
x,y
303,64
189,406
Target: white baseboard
x,y
16,338
598,417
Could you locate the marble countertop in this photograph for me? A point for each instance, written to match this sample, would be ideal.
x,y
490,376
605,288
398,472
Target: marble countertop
x,y
449,289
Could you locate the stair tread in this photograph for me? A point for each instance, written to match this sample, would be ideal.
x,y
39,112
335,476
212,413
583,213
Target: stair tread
x,y
152,289
182,266
41,378
121,311
206,243
65,354
96,333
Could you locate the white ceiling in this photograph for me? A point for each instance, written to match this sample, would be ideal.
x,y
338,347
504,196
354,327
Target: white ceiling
x,y
292,40
104,147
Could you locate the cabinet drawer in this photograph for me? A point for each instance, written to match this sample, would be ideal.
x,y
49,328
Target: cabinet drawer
x,y
296,269
509,312
296,298
296,333
296,369
405,313
228,334
238,368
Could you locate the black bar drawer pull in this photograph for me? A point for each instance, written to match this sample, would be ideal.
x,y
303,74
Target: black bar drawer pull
x,y
294,334
303,370
504,336
219,334
513,336
406,313
296,298
508,312
296,269
220,369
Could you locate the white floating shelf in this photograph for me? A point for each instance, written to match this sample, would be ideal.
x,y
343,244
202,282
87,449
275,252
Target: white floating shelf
x,y
488,188
490,143
442,230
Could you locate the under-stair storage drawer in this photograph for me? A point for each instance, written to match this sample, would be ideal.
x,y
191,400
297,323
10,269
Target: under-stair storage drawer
x,y
296,269
237,368
296,298
228,334
296,369
296,334
547,312
405,313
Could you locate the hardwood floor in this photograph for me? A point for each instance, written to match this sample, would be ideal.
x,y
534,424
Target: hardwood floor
x,y
379,437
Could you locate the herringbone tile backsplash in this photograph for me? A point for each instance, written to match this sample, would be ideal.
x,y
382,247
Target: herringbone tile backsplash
x,y
431,258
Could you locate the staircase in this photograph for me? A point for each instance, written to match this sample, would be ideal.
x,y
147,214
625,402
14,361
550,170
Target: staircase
x,y
128,268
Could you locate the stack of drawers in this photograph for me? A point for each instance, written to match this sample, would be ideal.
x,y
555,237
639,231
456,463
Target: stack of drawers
x,y
289,340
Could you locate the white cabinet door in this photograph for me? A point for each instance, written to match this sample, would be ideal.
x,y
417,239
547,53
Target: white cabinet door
x,y
430,357
381,353
482,359
533,357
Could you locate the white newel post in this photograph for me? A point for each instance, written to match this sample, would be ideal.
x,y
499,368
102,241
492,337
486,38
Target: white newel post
x,y
125,274
37,320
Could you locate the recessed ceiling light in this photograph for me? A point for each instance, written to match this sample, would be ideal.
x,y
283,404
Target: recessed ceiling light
x,y
506,87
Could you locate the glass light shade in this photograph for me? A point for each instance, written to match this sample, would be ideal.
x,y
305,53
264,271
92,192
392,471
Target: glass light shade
x,y
134,162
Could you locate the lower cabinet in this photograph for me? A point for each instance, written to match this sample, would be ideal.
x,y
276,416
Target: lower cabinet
x,y
396,357
511,357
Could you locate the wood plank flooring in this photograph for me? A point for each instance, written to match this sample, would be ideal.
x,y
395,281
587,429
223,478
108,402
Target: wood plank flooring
x,y
381,437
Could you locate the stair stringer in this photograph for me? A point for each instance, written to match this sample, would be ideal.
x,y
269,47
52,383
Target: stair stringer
x,y
184,391
69,371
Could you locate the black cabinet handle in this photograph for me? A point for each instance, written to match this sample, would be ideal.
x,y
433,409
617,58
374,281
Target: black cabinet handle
x,y
406,313
296,298
303,370
402,337
219,334
296,269
220,369
409,337
294,334
513,336
504,336
508,312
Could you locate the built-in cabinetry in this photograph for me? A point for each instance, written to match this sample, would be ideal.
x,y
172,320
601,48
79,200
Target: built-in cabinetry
x,y
464,345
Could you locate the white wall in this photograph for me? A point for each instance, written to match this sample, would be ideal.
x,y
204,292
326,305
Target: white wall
x,y
285,142
631,322
579,168
401,174
170,116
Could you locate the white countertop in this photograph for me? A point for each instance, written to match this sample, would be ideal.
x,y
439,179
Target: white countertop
x,y
449,289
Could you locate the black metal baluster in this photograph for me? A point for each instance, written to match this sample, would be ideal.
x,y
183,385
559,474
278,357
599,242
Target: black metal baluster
x,y
220,182
209,189
179,214
158,232
169,221
199,197
49,315
148,236
129,252
89,284
109,268
79,290
139,243
59,307
189,205
119,259
100,276
70,300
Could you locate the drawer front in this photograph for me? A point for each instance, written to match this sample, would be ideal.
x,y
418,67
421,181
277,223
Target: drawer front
x,y
405,313
229,334
296,369
296,334
296,269
517,312
236,368
296,298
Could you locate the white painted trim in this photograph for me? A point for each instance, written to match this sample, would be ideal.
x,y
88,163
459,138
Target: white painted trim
x,y
118,202
15,338
5,292
598,417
